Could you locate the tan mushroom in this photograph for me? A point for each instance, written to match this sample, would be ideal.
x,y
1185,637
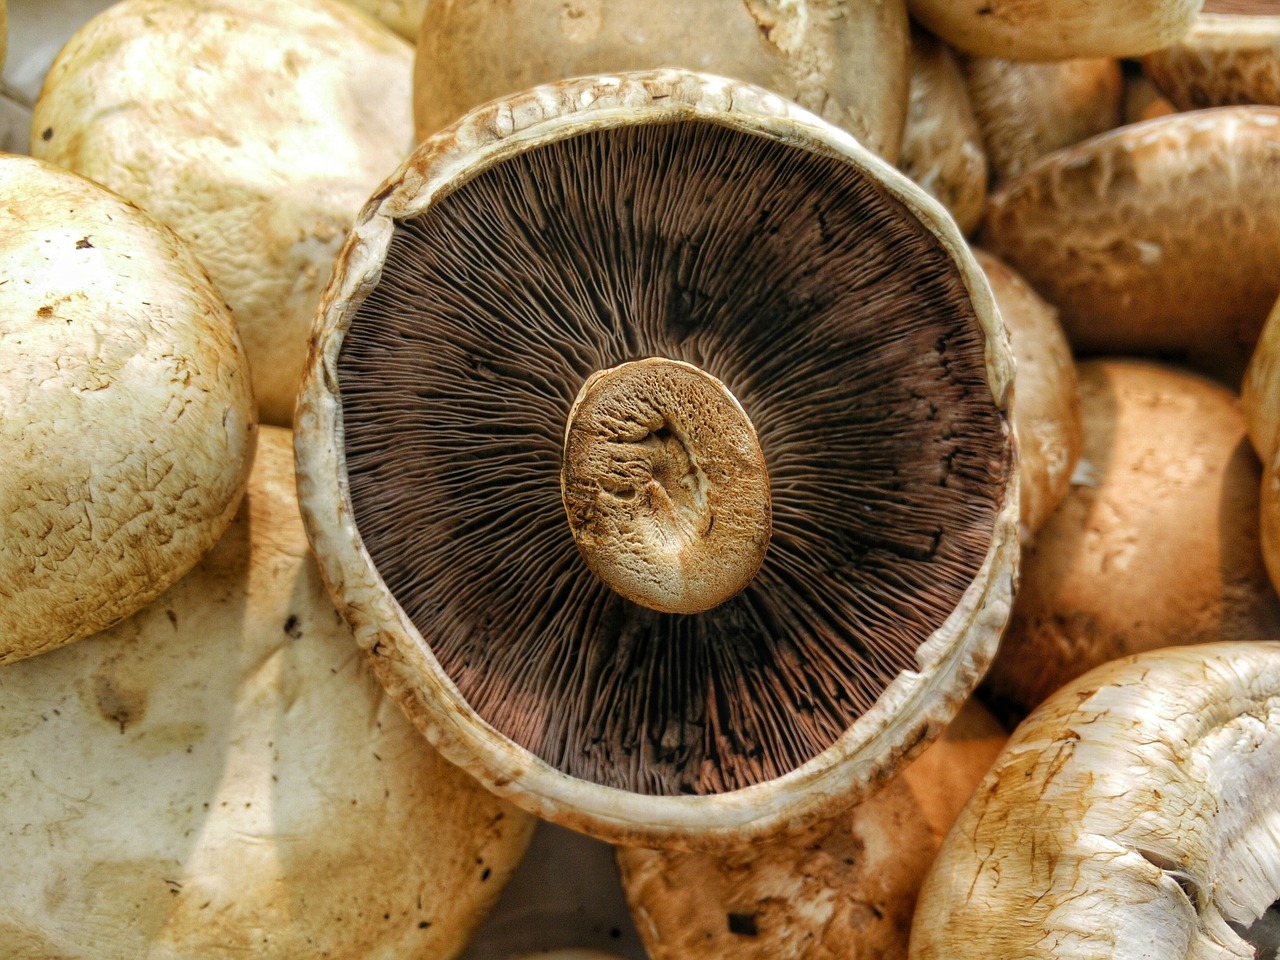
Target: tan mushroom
x,y
220,777
1230,55
259,158
1132,816
1154,238
848,62
126,416
707,222
1156,543
1056,29
1260,398
844,887
1026,110
941,144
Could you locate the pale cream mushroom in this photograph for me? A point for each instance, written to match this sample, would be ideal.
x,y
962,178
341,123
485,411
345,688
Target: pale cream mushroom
x,y
221,777
1133,816
688,220
1056,29
845,887
1155,544
1230,55
847,62
127,422
1154,238
254,128
402,16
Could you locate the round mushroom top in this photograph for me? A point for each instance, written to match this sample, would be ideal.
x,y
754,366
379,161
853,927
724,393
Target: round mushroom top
x,y
127,422
599,223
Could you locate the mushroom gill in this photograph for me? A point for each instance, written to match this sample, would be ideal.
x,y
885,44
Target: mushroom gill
x,y
839,323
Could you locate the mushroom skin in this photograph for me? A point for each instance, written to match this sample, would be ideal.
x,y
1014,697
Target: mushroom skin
x,y
1056,29
404,17
1231,55
916,703
128,420
847,62
1153,238
1156,544
941,145
220,776
1260,400
1131,816
259,159
850,880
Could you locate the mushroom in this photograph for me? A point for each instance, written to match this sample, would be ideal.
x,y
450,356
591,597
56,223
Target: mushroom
x,y
128,421
1132,816
402,16
1154,238
848,62
220,777
1156,543
1260,399
1026,110
851,880
693,222
1056,29
941,145
1230,55
260,158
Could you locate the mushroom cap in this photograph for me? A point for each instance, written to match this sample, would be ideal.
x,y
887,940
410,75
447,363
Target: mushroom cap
x,y
852,879
1056,29
260,159
1153,238
1260,391
1026,110
127,422
404,17
481,618
847,62
1046,414
941,144
1155,544
1225,58
1131,816
220,776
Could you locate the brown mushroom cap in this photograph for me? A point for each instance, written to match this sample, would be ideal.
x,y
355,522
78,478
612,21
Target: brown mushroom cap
x,y
1155,238
1260,392
847,62
1230,55
849,880
1056,29
665,214
1155,545
220,777
259,159
128,422
1026,110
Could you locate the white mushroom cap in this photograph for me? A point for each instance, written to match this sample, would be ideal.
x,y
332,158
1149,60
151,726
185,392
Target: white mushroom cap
x,y
260,158
127,422
221,777
1133,816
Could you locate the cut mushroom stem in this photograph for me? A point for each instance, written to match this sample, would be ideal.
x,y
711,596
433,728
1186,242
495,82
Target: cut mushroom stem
x,y
665,486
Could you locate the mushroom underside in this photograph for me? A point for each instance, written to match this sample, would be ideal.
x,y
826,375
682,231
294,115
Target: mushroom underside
x,y
779,271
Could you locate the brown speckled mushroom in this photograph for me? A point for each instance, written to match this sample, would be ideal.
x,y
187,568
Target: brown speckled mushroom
x,y
259,158
1230,55
220,777
847,62
1056,29
941,144
1026,110
126,416
844,887
602,221
1156,544
1133,816
1156,238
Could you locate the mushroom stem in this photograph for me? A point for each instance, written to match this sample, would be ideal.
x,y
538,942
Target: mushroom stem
x,y
665,485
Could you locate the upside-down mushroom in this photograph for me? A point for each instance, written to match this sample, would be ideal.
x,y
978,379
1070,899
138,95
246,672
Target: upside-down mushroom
x,y
628,323
1133,816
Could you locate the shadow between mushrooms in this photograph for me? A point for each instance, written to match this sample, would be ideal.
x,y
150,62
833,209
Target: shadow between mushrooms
x,y
686,221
